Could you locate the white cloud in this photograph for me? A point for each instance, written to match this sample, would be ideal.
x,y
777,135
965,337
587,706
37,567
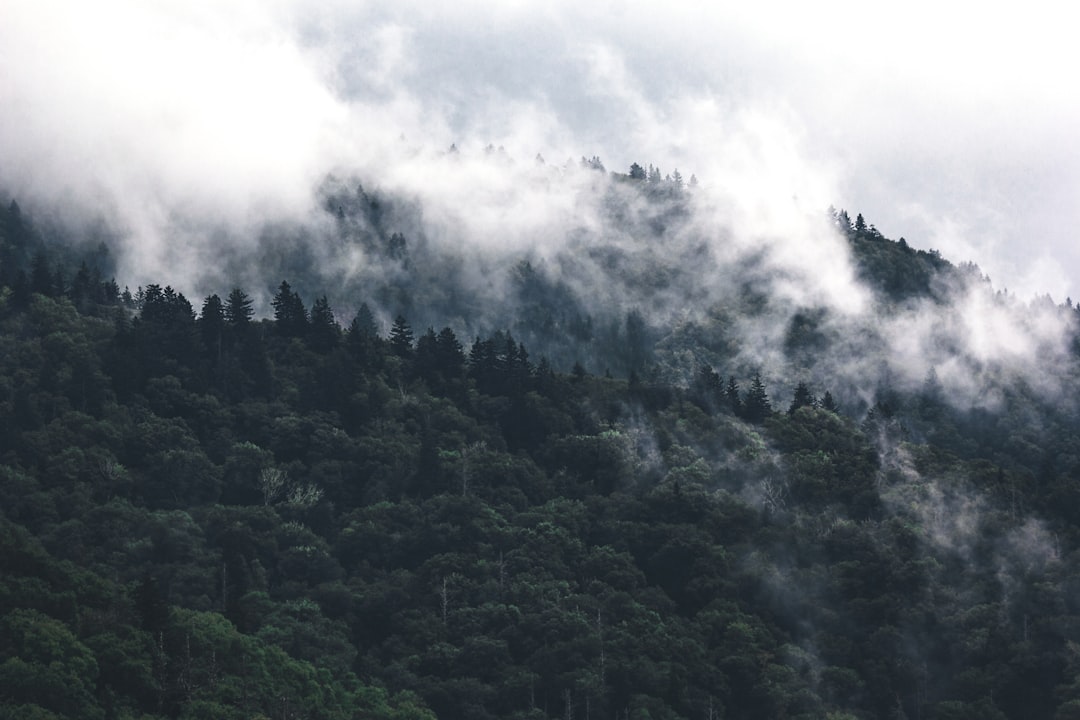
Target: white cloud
x,y
950,127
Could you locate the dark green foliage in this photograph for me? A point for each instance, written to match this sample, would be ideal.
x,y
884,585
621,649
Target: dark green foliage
x,y
290,315
802,398
894,270
41,276
324,333
225,517
755,404
238,311
212,325
731,394
401,338
362,339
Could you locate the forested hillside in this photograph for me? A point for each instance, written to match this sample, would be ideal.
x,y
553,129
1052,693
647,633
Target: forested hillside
x,y
609,483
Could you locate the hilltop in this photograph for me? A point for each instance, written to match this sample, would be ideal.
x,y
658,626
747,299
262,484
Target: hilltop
x,y
657,467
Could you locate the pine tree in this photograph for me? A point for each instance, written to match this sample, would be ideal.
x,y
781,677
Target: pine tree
x,y
211,324
709,384
82,287
362,339
290,316
732,395
324,333
803,398
238,312
756,405
401,337
827,402
449,353
41,278
427,357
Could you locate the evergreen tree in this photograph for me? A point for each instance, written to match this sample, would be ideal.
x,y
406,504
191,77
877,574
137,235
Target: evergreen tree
x,y
14,244
238,312
211,324
843,221
483,364
290,315
41,278
756,405
427,351
731,392
166,331
324,332
401,338
396,246
709,384
82,287
450,358
59,285
637,340
362,339
802,398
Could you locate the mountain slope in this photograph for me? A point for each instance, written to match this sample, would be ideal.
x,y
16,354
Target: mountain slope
x,y
768,515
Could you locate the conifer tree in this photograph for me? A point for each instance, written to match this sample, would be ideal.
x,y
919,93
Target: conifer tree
x,y
290,315
756,405
802,398
401,337
362,339
211,323
238,312
827,402
731,392
324,333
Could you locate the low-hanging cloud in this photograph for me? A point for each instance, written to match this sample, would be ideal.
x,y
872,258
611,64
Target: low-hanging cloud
x,y
193,127
236,107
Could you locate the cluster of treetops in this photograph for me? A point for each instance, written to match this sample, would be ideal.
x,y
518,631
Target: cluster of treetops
x,y
203,514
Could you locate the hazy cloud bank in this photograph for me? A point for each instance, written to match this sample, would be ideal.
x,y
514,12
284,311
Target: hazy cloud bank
x,y
194,127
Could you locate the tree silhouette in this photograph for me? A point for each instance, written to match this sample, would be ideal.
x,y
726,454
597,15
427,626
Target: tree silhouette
x,y
401,337
324,333
238,312
756,405
290,316
802,398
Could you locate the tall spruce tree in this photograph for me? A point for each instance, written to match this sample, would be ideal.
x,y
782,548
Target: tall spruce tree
x,y
238,312
756,405
401,337
290,315
324,332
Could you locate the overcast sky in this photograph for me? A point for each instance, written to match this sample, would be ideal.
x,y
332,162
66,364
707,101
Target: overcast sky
x,y
953,125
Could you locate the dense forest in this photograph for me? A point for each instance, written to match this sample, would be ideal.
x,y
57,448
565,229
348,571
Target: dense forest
x,y
562,505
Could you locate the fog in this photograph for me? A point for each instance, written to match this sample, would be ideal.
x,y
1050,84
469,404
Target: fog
x,y
207,136
950,128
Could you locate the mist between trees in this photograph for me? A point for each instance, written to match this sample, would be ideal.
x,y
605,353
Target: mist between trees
x,y
631,454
